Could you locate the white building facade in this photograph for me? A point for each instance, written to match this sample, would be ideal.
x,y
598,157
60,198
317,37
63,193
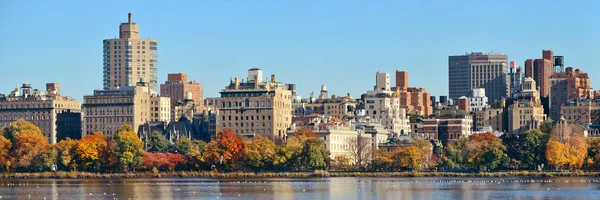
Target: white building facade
x,y
478,101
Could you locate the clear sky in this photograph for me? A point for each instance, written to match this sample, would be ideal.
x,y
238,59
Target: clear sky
x,y
338,43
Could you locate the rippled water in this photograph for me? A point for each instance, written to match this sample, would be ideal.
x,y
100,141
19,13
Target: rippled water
x,y
306,188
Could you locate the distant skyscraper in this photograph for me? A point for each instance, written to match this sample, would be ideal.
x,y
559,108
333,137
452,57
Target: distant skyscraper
x,y
129,58
541,70
478,70
516,80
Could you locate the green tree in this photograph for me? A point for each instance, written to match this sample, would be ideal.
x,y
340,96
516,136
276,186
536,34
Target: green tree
x,y
532,148
593,155
546,127
183,145
158,143
129,149
307,152
512,144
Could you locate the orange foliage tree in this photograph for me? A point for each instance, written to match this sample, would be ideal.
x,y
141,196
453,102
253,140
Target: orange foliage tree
x,y
228,148
162,161
566,148
5,146
89,151
29,146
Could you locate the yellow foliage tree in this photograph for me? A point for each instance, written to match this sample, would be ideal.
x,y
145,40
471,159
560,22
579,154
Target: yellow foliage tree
x,y
89,149
566,148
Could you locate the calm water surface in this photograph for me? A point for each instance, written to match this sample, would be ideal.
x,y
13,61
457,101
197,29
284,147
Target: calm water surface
x,y
311,188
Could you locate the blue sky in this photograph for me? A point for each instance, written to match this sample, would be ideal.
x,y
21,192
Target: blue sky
x,y
338,43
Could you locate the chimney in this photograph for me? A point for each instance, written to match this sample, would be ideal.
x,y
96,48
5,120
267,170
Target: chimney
x,y
129,17
273,80
237,83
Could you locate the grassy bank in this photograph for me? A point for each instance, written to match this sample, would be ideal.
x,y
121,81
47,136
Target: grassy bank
x,y
318,173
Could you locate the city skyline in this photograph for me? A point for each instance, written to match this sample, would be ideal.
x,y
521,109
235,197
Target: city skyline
x,y
346,48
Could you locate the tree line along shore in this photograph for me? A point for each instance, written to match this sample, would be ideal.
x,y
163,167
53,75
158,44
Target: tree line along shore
x,y
560,150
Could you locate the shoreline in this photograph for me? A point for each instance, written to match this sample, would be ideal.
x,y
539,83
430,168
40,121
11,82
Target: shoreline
x,y
318,173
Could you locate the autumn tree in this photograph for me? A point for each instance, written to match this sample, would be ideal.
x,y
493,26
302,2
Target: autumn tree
x,y
18,127
566,148
66,150
130,148
482,152
89,151
227,149
260,153
195,149
5,159
29,146
341,162
162,161
158,143
411,157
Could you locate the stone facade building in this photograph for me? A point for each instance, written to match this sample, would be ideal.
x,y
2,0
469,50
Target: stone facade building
x,y
57,117
109,109
527,112
255,106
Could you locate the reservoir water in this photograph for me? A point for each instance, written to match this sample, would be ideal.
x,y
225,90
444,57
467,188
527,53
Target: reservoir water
x,y
304,188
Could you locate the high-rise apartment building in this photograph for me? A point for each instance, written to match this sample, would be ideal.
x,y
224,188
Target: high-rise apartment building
x,y
109,109
130,58
255,106
57,117
478,70
382,105
516,80
541,70
177,87
415,100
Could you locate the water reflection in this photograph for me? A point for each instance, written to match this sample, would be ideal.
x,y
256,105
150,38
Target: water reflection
x,y
311,188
